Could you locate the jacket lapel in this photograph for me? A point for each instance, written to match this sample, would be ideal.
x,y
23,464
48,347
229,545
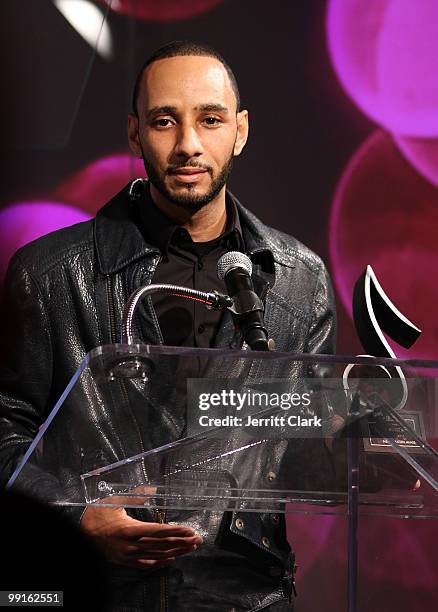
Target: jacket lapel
x,y
118,239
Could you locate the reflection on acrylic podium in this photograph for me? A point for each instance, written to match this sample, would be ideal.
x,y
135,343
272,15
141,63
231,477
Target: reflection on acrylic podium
x,y
193,430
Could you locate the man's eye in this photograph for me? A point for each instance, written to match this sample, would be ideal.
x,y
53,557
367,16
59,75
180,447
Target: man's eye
x,y
162,123
212,121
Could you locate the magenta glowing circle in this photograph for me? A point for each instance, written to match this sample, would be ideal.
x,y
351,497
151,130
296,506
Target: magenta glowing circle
x,y
23,222
167,10
384,53
99,181
422,153
385,214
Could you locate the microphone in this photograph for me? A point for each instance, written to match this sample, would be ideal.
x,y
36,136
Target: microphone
x,y
235,269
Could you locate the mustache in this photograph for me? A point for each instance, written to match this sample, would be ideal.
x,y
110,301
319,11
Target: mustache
x,y
172,168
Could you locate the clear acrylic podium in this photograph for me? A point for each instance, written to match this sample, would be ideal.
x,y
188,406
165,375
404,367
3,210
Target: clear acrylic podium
x,y
162,428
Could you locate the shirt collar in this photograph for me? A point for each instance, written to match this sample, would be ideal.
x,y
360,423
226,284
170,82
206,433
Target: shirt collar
x,y
119,241
160,231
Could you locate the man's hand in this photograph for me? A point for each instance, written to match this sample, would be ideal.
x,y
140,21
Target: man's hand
x,y
126,541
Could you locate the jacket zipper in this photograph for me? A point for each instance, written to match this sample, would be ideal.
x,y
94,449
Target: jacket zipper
x,y
156,261
111,308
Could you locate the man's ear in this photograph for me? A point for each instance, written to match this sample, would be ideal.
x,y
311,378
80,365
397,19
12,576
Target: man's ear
x,y
133,138
242,132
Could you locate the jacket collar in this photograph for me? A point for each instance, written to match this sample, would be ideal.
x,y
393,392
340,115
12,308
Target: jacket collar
x,y
117,236
119,241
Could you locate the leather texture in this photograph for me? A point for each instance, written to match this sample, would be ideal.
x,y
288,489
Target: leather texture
x,y
64,295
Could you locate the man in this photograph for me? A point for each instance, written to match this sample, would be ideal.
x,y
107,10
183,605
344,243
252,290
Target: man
x,y
67,292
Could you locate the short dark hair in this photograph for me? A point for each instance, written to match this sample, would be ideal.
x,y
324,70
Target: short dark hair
x,y
179,48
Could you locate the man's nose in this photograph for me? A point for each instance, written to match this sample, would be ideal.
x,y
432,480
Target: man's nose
x,y
188,143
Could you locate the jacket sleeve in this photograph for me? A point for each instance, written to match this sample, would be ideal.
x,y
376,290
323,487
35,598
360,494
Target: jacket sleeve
x,y
322,330
26,366
25,385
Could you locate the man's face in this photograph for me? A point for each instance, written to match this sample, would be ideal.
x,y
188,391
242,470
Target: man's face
x,y
187,130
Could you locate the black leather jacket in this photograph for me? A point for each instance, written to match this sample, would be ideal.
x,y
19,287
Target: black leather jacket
x,y
64,295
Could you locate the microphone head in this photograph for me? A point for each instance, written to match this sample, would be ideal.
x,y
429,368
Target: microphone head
x,y
232,260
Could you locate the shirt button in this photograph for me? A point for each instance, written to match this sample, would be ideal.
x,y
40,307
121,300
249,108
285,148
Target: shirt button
x,y
271,476
201,328
265,542
275,519
200,265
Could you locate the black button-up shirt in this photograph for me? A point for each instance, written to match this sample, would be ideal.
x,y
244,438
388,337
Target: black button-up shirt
x,y
185,322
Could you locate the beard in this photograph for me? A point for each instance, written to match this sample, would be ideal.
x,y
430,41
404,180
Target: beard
x,y
188,198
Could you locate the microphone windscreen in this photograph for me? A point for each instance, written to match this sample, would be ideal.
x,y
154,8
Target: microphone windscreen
x,y
232,260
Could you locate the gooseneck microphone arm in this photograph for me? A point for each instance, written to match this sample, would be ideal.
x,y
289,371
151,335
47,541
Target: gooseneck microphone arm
x,y
211,299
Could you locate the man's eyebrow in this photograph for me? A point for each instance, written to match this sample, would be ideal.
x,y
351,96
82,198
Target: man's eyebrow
x,y
172,110
212,107
161,110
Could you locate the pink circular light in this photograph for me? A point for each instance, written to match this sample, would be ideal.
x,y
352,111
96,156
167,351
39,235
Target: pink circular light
x,y
385,214
169,10
384,53
95,184
23,222
422,153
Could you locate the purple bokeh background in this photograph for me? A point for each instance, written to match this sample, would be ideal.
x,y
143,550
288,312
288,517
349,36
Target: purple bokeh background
x,y
422,154
167,10
384,53
385,214
23,222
